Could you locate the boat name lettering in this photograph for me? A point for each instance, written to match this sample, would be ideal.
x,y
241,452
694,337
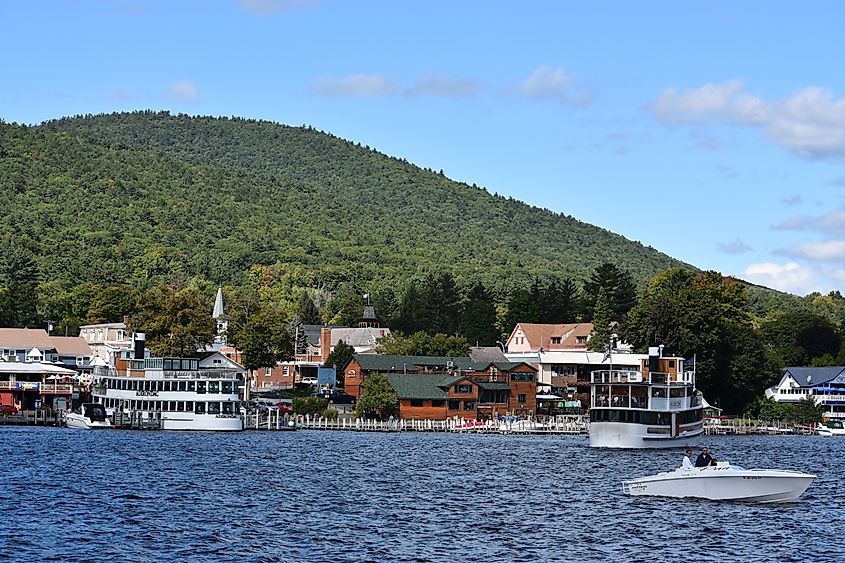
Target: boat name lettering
x,y
146,393
639,487
675,404
744,477
226,416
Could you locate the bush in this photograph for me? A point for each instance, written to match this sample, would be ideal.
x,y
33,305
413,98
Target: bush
x,y
330,414
310,405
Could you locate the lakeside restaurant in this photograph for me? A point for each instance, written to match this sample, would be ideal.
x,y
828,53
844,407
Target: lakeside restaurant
x,y
33,385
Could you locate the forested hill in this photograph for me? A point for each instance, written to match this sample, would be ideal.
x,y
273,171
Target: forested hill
x,y
115,197
149,197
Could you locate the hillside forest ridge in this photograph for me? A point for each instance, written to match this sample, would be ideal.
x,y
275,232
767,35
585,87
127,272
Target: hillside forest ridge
x,y
144,214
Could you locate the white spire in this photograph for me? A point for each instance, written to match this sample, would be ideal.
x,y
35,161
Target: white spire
x,y
218,304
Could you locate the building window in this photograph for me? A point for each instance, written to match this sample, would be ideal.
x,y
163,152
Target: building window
x,y
581,339
416,402
438,403
285,371
469,405
555,339
268,372
454,405
522,376
521,398
463,388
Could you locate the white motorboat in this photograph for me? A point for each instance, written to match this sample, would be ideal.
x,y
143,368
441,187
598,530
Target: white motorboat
x,y
830,428
723,482
88,416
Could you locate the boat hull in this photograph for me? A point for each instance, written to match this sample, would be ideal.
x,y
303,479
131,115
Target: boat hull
x,y
723,483
636,436
200,422
83,423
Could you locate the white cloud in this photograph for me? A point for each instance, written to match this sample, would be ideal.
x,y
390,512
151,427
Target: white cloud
x,y
355,85
733,247
183,91
789,277
827,251
810,124
273,7
832,223
547,83
433,85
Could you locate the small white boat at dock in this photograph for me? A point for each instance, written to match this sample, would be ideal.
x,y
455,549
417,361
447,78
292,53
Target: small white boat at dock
x,y
723,482
88,416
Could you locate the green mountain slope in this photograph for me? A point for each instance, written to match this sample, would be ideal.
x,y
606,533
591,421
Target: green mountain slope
x,y
154,195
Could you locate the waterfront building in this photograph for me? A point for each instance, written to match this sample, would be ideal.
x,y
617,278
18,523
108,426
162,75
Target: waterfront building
x,y
107,340
432,387
825,385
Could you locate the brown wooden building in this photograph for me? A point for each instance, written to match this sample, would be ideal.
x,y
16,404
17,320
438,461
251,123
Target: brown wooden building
x,y
437,388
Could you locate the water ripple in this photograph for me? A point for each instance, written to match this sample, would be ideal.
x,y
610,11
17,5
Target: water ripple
x,y
324,496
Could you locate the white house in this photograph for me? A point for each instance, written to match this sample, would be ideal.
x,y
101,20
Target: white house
x,y
825,385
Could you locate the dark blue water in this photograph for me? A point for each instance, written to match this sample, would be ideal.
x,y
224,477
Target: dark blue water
x,y
341,496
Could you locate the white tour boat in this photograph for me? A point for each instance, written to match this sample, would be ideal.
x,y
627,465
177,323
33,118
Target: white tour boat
x,y
655,407
173,393
723,482
88,416
831,428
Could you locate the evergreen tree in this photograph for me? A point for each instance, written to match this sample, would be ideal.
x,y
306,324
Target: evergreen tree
x,y
619,286
559,302
478,318
600,336
306,310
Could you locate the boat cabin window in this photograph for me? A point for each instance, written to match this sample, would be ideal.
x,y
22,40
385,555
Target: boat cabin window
x,y
199,408
676,392
227,387
192,386
181,385
228,407
200,387
213,408
214,387
189,406
658,392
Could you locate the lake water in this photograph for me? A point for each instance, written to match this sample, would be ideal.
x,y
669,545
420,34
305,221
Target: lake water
x,y
343,496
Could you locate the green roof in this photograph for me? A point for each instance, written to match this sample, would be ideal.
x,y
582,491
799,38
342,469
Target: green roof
x,y
417,386
382,362
385,363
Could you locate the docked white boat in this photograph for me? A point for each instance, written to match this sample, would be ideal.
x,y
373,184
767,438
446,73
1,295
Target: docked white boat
x,y
657,406
88,416
831,428
197,393
722,482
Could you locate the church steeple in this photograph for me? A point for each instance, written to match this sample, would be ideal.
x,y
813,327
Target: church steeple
x,y
220,318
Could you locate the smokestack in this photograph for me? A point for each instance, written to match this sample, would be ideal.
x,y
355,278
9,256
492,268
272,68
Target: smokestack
x,y
654,359
140,340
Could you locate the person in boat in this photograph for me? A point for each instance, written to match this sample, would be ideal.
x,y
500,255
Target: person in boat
x,y
703,459
687,461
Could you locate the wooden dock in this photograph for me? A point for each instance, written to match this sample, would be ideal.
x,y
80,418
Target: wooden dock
x,y
570,424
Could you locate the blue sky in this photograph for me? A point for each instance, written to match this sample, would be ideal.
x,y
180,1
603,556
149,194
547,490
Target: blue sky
x,y
712,131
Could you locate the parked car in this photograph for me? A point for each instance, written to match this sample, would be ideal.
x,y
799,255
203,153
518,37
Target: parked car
x,y
8,409
309,380
284,407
